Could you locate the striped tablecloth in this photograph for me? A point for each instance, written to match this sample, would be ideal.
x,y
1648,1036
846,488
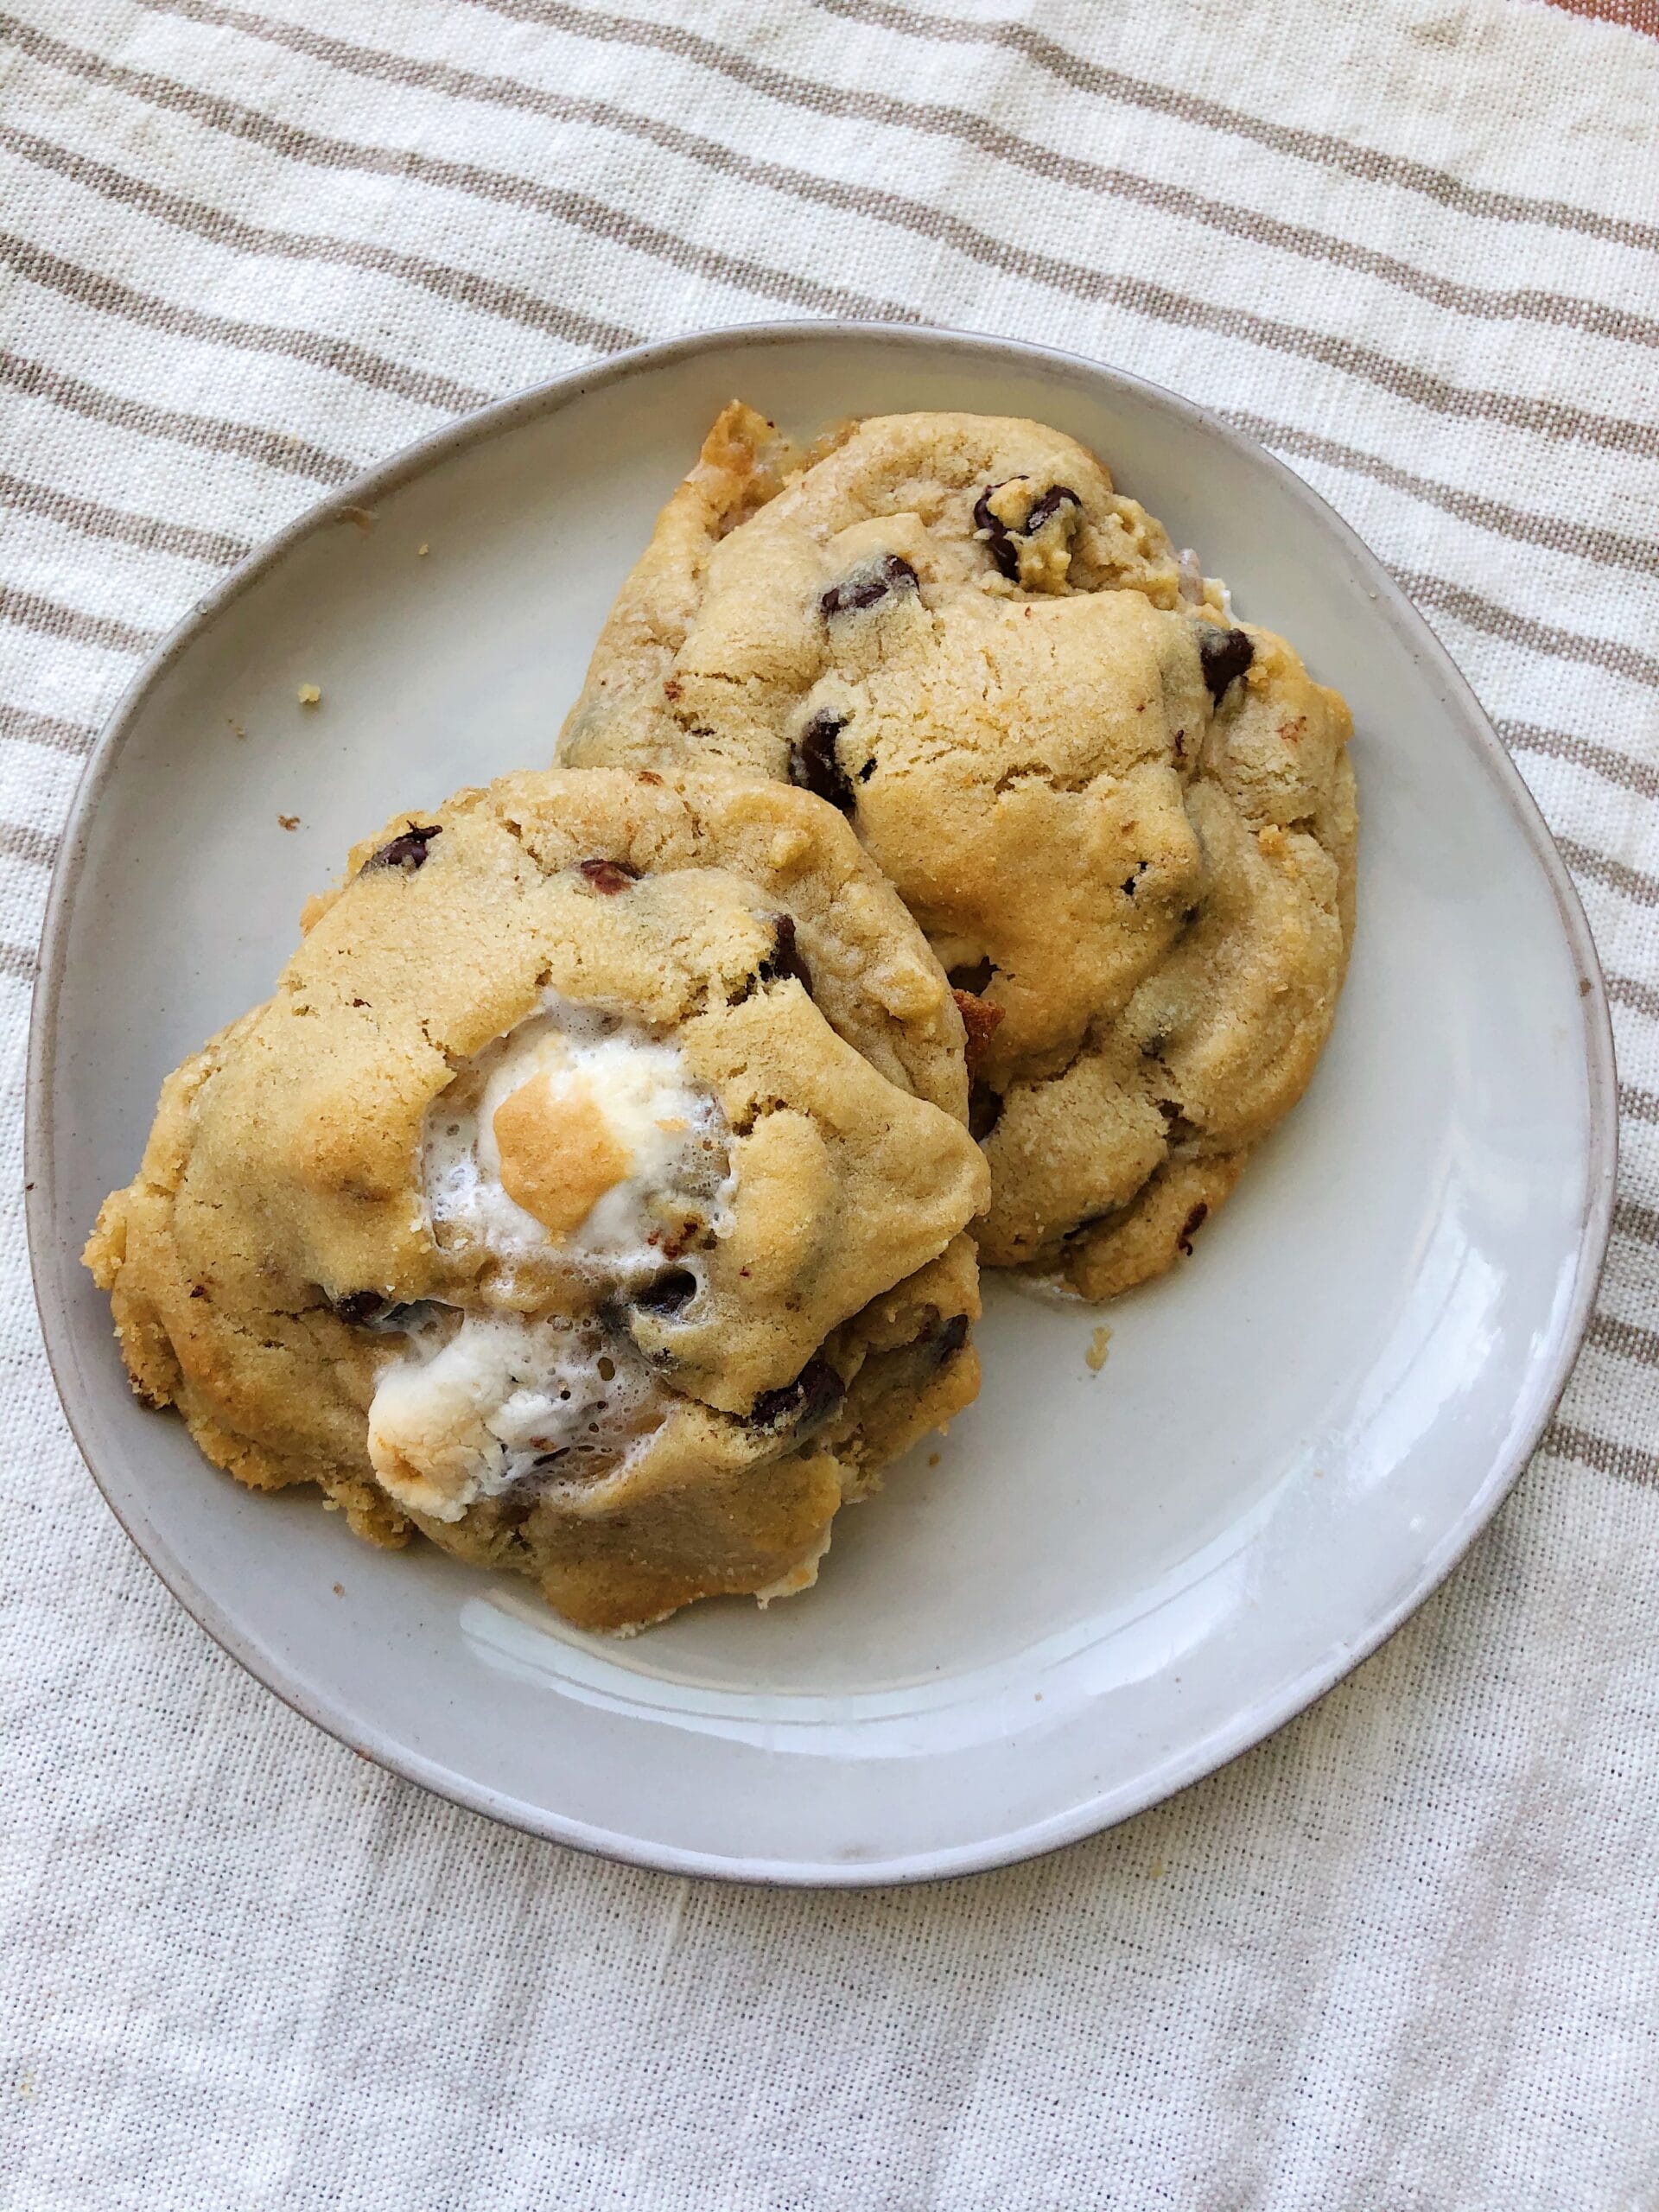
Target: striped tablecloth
x,y
1406,1954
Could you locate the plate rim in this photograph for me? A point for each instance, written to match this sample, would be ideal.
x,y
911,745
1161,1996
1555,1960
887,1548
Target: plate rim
x,y
1221,1745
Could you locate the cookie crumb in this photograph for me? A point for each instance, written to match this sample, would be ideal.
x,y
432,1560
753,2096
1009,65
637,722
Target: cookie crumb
x,y
361,515
1157,1870
932,1458
340,1589
789,849
311,696
1094,1358
234,726
288,821
420,552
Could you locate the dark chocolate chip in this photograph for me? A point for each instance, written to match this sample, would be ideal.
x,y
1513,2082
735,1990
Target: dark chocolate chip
x,y
1191,1227
949,1340
815,766
1222,655
1045,510
1000,545
785,959
608,876
1177,1128
869,585
1001,539
867,771
407,852
367,1309
984,1111
669,1292
805,1403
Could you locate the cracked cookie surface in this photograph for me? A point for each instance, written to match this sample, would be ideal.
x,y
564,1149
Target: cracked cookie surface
x,y
589,1195
1125,820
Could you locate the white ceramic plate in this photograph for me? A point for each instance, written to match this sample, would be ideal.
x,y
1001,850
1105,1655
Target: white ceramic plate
x,y
1109,1583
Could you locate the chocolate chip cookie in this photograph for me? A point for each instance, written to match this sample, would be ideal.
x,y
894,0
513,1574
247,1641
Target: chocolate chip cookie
x,y
1125,820
589,1195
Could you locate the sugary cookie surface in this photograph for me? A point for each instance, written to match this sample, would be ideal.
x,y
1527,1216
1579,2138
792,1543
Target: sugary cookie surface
x,y
589,1194
1125,822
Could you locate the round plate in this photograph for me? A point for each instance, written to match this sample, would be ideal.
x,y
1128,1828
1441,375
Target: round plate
x,y
1101,1585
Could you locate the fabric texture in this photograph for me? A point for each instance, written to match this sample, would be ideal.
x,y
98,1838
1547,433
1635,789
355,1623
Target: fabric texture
x,y
1405,1954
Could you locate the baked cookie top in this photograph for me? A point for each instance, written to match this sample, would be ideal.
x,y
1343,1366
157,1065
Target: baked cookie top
x,y
1124,821
592,1112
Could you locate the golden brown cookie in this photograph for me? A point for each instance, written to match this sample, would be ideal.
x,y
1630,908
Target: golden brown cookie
x,y
1125,822
589,1195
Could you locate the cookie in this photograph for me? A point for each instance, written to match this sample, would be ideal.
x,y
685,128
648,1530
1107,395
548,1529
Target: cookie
x,y
1125,820
589,1195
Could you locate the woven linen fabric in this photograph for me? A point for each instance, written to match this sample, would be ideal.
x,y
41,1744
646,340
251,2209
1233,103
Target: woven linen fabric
x,y
1405,1955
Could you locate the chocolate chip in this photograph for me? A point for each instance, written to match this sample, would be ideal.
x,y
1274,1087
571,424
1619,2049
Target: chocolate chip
x,y
669,1292
785,959
815,766
1046,509
367,1309
950,1339
1000,546
869,584
407,852
1222,655
984,1111
805,1403
608,876
1191,1227
981,1022
999,538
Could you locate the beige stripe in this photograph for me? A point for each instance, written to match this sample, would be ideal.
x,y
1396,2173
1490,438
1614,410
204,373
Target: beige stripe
x,y
30,611
274,449
1627,1461
1625,1339
1364,162
19,960
1496,621
579,210
22,725
18,841
1553,309
1545,418
1614,874
511,303
1640,1105
1609,547
1639,1222
110,297
94,520
1621,768
1631,991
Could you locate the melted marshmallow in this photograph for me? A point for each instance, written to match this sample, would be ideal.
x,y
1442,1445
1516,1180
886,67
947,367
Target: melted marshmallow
x,y
666,1125
480,1401
469,1410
